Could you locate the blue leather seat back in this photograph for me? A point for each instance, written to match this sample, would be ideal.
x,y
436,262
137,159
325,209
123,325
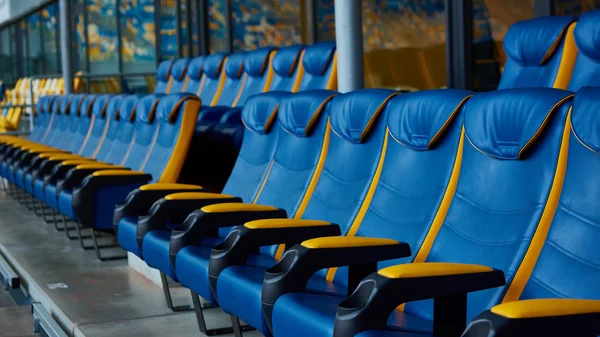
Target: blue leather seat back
x,y
587,39
84,124
61,136
302,144
568,263
179,75
286,70
319,64
260,136
534,52
125,133
98,128
513,139
257,73
353,158
145,132
176,116
233,71
423,151
113,121
54,121
42,118
194,72
212,77
163,78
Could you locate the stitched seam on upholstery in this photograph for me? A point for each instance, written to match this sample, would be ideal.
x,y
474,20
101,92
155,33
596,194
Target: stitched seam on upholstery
x,y
439,133
263,183
554,45
374,117
87,136
578,216
151,147
387,218
546,119
492,211
481,242
99,146
239,94
548,288
581,142
316,115
396,191
572,256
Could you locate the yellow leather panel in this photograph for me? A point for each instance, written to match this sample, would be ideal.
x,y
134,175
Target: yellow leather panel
x,y
236,207
94,165
284,223
262,185
60,156
174,166
197,196
537,242
168,186
428,269
546,308
567,60
79,161
346,241
332,80
299,74
107,173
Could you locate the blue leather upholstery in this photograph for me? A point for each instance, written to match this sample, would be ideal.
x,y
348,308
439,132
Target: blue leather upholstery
x,y
163,77
568,263
285,67
195,70
83,123
234,83
98,127
587,39
299,147
256,66
123,134
178,75
145,131
113,119
318,62
213,66
342,187
534,50
414,178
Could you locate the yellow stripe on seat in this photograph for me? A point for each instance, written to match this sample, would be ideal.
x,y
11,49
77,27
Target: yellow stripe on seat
x,y
108,173
197,195
169,186
547,307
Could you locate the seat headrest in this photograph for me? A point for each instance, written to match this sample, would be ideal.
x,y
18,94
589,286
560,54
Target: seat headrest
x,y
585,119
299,113
169,106
505,123
195,68
418,119
112,109
164,71
533,42
234,66
75,104
49,104
353,115
145,109
63,104
127,108
179,68
100,105
286,60
587,34
260,111
86,105
213,64
318,57
257,61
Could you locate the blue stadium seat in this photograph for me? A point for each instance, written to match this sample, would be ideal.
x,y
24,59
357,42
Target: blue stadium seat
x,y
163,78
587,64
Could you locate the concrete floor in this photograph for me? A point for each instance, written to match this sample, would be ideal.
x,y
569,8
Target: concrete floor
x,y
85,296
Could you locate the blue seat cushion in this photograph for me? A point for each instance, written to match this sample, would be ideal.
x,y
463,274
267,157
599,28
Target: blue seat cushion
x,y
48,194
18,177
65,203
155,248
244,284
127,235
309,314
27,183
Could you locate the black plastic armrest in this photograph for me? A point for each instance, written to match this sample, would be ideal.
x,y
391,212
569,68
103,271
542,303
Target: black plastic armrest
x,y
448,284
59,172
302,261
140,200
75,176
175,208
540,317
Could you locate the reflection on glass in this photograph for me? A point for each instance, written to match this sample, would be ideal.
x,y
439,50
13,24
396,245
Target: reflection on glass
x,y
138,38
217,28
51,42
574,7
102,33
168,38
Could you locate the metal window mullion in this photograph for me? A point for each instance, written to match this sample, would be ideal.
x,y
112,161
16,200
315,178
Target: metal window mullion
x,y
190,28
459,38
157,36
229,25
203,38
86,34
119,43
42,58
178,39
543,7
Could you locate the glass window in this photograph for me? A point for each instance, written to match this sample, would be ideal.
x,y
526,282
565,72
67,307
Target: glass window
x,y
79,52
397,33
102,34
168,38
35,52
194,16
217,26
491,20
325,21
258,23
138,37
185,36
7,57
574,7
51,43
